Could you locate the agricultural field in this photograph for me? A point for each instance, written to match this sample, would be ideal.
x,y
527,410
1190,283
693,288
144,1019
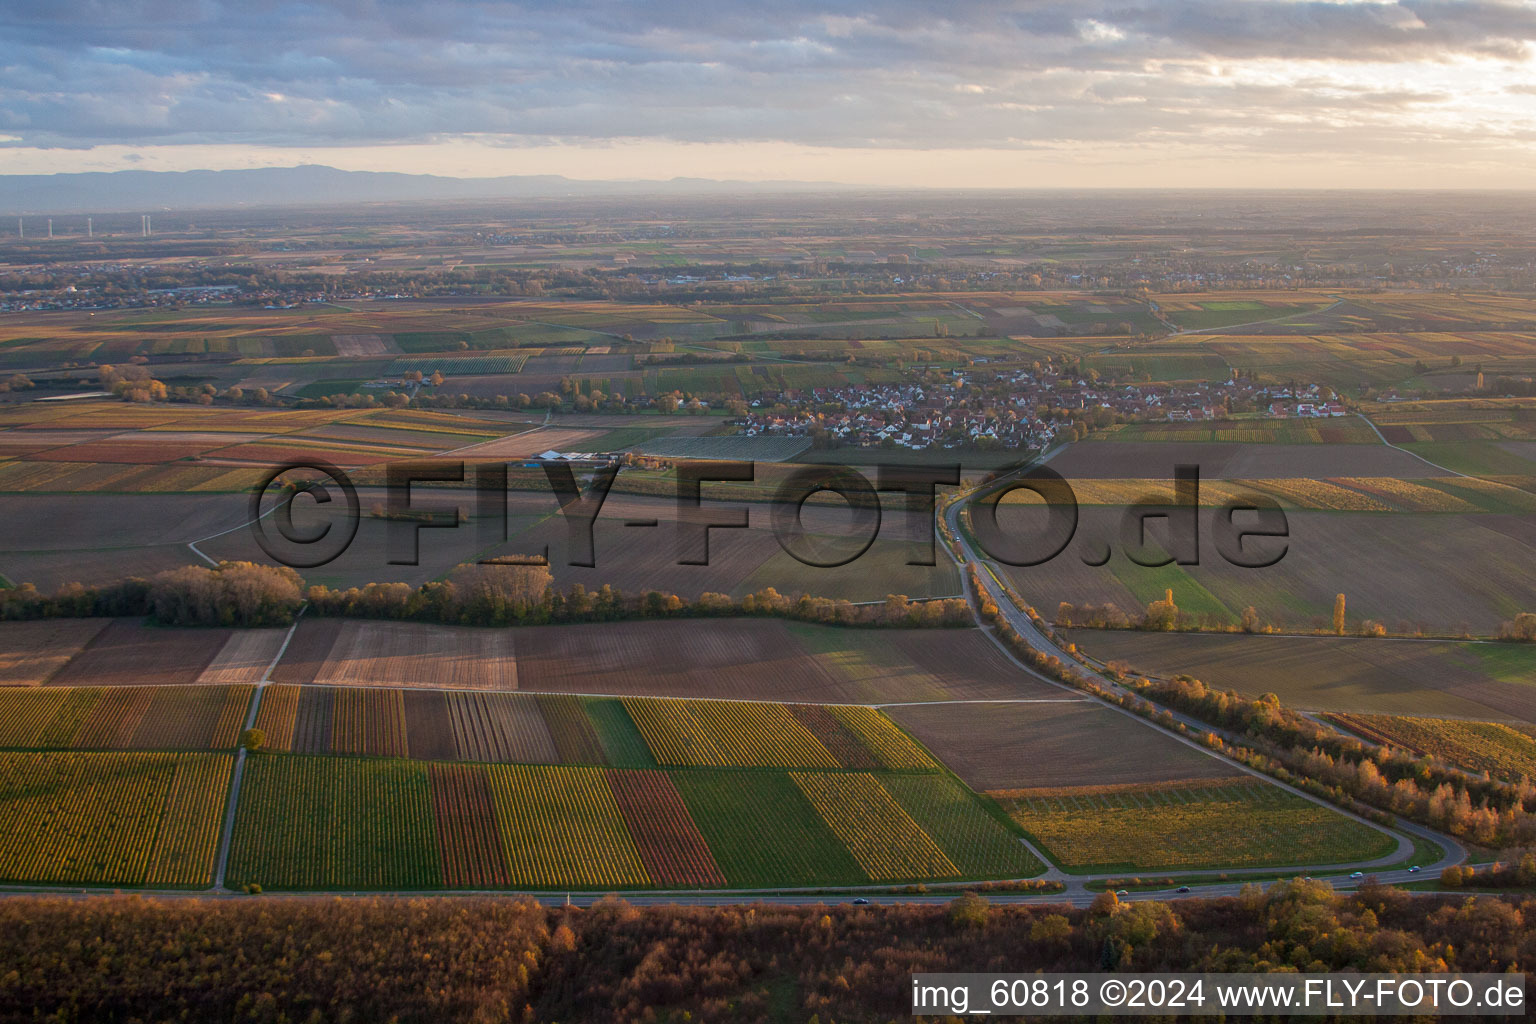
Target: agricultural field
x,y
1218,460
31,652
631,732
127,652
403,654
1383,562
1064,741
123,717
1216,313
140,819
1236,823
1503,751
765,659
1345,430
744,449
391,824
1361,676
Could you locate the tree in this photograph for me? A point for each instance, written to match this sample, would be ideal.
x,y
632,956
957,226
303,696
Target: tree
x,y
1338,615
253,739
968,911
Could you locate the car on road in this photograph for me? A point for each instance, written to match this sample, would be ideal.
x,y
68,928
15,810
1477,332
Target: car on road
x,y
1414,870
1182,888
1357,874
1121,892
861,902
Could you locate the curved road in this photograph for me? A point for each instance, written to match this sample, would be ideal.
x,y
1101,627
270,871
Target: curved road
x,y
1452,852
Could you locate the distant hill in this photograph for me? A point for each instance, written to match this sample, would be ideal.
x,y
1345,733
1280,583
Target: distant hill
x,y
133,191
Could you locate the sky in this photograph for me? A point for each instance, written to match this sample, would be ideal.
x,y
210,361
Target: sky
x,y
963,93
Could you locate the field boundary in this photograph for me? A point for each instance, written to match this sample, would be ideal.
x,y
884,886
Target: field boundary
x,y
227,833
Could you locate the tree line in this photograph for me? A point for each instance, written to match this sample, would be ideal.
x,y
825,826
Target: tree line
x,y
499,960
1374,781
247,594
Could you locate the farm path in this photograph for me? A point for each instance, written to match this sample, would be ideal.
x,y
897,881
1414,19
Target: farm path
x,y
1452,851
1405,451
193,544
228,831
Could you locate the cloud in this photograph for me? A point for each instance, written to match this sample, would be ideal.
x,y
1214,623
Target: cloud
x,y
1257,75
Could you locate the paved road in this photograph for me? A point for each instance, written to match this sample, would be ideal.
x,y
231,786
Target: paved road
x,y
1452,852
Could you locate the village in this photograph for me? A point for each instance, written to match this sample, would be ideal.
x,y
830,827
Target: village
x,y
1026,408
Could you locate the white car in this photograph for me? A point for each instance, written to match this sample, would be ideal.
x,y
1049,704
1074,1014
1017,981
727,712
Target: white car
x,y
1357,874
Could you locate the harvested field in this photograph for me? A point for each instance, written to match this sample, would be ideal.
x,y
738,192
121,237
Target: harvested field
x,y
878,665
1224,461
1366,676
244,658
1500,750
881,570
742,658
1385,564
669,842
363,345
467,831
411,654
112,819
1240,823
307,652
1062,743
429,728
767,660
495,727
740,447
635,560
31,652
530,442
128,652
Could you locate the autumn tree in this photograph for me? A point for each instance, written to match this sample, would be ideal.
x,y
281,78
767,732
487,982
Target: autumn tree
x,y
1338,615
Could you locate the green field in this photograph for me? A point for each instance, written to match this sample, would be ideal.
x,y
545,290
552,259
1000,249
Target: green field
x,y
622,744
763,831
1149,583
334,823
1476,458
1244,823
979,844
1226,314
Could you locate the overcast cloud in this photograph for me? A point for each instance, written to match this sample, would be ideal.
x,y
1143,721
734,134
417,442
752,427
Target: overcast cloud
x,y
1245,77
